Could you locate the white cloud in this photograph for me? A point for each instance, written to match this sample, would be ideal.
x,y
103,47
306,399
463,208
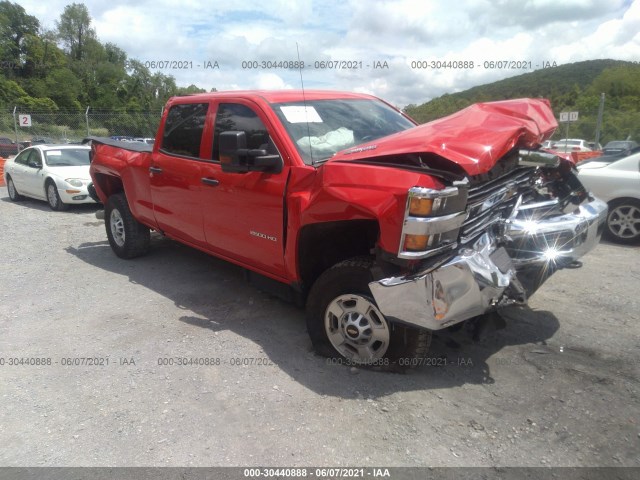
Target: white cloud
x,y
271,81
361,31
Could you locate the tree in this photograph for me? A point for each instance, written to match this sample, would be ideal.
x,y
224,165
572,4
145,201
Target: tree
x,y
191,89
75,31
15,25
40,56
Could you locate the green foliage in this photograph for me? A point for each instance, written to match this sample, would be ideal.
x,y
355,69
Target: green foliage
x,y
75,31
10,91
191,89
15,25
571,87
60,83
30,104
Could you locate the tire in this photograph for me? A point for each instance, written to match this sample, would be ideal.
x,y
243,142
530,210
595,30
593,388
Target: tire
x,y
13,193
128,237
345,324
623,221
53,197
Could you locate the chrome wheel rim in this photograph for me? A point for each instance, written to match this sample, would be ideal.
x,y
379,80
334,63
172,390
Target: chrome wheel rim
x,y
12,189
117,227
624,221
52,195
356,328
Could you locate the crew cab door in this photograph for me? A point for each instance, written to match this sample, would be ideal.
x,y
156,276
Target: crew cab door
x,y
175,175
244,212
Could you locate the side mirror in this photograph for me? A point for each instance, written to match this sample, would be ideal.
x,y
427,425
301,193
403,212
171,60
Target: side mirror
x,y
235,157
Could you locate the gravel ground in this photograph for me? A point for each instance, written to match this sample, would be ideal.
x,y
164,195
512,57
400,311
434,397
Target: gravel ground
x,y
559,386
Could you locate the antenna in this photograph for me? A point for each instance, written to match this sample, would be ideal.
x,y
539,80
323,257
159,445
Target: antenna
x,y
304,101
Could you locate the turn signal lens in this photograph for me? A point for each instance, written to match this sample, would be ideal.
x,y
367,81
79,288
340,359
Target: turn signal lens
x,y
415,243
420,207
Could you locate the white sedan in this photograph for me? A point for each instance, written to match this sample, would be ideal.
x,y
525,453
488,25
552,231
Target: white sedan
x,y
58,174
618,184
568,145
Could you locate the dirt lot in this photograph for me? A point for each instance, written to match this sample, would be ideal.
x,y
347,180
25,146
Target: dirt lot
x,y
559,386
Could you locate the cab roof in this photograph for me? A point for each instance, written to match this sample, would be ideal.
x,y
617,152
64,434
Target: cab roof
x,y
281,96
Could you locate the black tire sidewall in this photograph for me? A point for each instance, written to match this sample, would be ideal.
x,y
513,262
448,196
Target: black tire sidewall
x,y
136,235
16,196
333,283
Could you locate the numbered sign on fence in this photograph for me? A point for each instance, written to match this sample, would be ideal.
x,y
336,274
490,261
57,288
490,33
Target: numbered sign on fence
x,y
24,120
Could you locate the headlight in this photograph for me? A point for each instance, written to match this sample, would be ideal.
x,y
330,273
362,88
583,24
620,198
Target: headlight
x,y
74,182
432,220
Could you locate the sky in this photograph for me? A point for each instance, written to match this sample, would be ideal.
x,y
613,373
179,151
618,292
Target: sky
x,y
405,51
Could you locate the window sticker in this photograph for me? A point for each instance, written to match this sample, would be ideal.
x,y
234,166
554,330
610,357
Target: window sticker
x,y
297,114
54,153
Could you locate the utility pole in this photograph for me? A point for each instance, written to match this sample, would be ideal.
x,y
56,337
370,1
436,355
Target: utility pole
x,y
599,123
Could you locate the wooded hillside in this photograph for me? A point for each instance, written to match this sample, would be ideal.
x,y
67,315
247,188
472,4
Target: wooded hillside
x,y
570,87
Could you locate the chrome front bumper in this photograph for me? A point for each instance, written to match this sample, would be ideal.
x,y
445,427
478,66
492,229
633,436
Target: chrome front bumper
x,y
476,279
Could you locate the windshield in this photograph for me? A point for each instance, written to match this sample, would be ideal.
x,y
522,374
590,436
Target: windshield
x,y
68,157
328,126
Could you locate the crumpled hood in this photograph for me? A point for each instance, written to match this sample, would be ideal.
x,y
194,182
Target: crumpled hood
x,y
474,138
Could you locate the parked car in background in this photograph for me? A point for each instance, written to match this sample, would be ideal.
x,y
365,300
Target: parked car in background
x,y
41,141
571,145
617,183
594,146
58,174
620,147
8,147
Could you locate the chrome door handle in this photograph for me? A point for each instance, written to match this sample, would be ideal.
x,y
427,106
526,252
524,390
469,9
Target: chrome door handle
x,y
210,181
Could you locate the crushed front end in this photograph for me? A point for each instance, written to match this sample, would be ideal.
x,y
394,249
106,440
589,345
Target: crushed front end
x,y
489,240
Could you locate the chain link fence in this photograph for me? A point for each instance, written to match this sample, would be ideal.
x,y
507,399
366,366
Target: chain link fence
x,y
25,127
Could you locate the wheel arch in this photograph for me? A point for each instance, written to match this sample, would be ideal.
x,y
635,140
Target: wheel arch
x,y
322,245
620,200
48,179
107,185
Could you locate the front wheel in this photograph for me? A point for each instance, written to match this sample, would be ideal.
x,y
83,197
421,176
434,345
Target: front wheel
x,y
53,197
623,221
345,323
128,237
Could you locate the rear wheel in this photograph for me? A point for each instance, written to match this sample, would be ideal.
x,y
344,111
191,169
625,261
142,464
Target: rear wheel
x,y
345,323
128,237
623,221
53,197
13,193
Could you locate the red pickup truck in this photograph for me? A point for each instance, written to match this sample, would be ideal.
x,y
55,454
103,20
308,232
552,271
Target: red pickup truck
x,y
387,230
